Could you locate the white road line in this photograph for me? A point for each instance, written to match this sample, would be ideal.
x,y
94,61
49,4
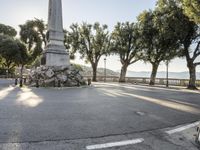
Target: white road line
x,y
183,128
114,144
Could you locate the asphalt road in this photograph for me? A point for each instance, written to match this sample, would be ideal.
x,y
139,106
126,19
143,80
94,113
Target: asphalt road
x,y
48,114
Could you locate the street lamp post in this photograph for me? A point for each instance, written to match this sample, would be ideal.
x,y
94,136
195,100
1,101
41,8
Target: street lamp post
x,y
167,73
104,69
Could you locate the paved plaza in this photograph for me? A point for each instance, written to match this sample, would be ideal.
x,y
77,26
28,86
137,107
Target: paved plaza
x,y
73,118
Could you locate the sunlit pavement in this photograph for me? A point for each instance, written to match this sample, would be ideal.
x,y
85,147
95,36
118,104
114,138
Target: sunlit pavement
x,y
75,118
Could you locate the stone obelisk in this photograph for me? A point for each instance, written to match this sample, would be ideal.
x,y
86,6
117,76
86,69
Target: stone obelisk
x,y
56,54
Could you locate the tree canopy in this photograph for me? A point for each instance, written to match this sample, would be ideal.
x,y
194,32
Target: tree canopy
x,y
192,9
9,51
187,31
91,41
33,34
159,42
125,43
13,52
7,30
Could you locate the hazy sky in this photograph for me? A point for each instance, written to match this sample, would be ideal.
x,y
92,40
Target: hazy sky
x,y
15,12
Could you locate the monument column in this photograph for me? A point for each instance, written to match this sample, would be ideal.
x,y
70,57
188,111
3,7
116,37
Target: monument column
x,y
56,54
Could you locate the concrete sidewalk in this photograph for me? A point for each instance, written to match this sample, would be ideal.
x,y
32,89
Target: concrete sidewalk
x,y
185,138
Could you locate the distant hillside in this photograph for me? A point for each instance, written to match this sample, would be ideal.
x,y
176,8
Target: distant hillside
x,y
87,71
161,74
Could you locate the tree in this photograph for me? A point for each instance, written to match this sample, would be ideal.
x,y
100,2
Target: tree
x,y
22,58
192,9
159,43
67,42
188,33
91,41
14,53
7,30
9,52
33,34
125,44
1,61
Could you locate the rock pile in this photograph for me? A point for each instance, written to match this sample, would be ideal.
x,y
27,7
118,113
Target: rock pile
x,y
56,77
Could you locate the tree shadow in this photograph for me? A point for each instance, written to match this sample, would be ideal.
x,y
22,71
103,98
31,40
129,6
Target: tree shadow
x,y
15,102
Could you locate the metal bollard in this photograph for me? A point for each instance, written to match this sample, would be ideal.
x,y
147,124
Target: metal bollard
x,y
20,82
59,83
16,82
89,81
37,83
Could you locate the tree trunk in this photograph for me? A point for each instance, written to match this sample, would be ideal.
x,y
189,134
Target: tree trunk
x,y
7,70
94,69
153,74
21,76
192,71
123,73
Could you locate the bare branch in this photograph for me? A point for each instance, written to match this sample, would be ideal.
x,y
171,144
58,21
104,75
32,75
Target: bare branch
x,y
134,61
196,51
197,63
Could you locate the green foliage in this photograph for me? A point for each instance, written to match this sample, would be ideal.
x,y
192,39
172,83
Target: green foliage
x,y
7,30
185,30
1,61
23,57
67,44
159,42
159,38
13,52
4,37
192,9
91,41
8,50
33,34
78,67
125,42
36,63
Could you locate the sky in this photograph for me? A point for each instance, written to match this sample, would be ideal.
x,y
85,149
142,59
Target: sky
x,y
16,12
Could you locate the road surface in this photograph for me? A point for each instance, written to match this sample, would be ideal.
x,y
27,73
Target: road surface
x,y
31,115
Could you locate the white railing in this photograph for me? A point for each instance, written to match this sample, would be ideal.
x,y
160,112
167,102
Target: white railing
x,y
142,80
